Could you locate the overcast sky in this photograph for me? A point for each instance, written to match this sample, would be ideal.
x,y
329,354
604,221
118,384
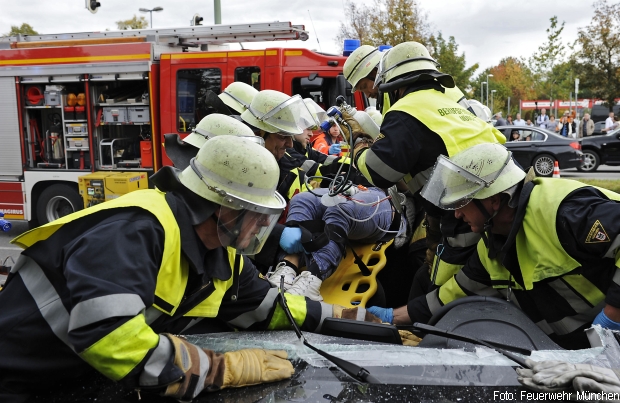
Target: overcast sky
x,y
486,30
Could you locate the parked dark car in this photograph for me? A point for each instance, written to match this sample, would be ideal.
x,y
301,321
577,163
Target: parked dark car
x,y
598,126
540,148
597,150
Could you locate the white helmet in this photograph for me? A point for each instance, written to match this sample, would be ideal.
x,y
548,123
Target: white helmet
x,y
398,64
241,176
276,112
238,96
480,109
478,172
217,124
360,64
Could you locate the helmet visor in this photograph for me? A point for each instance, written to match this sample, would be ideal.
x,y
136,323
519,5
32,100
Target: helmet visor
x,y
317,113
381,69
451,187
291,116
243,224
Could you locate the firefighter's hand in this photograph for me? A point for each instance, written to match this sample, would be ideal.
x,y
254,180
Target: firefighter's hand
x,y
357,313
547,376
408,338
254,366
356,130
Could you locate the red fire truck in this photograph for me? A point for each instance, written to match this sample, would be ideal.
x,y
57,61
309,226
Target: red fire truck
x,y
75,104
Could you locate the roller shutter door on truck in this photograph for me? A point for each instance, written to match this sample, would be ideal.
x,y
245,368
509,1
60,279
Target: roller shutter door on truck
x,y
10,150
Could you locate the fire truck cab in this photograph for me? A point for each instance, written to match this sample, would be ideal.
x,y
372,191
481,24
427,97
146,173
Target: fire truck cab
x,y
75,104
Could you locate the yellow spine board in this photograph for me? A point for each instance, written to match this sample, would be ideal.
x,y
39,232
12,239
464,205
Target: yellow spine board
x,y
343,285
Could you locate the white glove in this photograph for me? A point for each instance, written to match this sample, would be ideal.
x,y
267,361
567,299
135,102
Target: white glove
x,y
550,376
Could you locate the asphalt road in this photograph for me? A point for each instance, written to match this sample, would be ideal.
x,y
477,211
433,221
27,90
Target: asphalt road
x,y
6,249
603,172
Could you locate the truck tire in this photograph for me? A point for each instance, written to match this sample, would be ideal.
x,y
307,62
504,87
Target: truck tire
x,y
543,165
57,201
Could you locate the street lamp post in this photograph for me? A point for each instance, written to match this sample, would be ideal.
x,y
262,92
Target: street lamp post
x,y
488,75
492,107
150,11
482,92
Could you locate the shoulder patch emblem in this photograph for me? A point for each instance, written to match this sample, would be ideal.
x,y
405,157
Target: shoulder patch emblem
x,y
597,234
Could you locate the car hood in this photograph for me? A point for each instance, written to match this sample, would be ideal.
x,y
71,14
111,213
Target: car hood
x,y
408,373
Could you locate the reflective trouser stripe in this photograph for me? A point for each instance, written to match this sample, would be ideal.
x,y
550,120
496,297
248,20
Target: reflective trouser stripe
x,y
156,363
118,352
297,306
45,296
544,326
261,313
101,308
381,168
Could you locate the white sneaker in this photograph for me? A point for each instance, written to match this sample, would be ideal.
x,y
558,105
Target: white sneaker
x,y
308,285
282,270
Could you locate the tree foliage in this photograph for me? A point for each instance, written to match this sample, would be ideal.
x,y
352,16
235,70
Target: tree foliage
x,y
511,78
453,63
387,22
598,56
356,25
133,23
24,29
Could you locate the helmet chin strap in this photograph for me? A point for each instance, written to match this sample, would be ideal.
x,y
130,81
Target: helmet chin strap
x,y
487,235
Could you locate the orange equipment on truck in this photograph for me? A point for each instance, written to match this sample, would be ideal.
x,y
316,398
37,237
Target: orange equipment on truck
x,y
75,104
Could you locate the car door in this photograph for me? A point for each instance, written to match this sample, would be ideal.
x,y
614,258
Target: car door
x,y
522,150
611,147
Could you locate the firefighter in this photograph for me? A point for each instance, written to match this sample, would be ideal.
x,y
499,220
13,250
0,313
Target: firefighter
x,y
278,117
361,71
238,96
423,123
548,245
182,151
107,288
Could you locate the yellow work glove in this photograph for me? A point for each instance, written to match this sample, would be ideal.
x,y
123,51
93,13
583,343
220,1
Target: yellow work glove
x,y
354,313
254,366
408,338
218,371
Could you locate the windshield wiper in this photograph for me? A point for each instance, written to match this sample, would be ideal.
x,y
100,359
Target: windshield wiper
x,y
492,345
358,373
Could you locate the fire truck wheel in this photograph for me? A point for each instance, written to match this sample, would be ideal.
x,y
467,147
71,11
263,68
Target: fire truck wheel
x,y
57,201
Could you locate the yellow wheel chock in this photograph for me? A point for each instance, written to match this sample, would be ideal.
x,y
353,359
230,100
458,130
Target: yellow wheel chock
x,y
347,284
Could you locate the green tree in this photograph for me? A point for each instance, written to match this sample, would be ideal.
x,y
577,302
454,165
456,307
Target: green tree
x,y
357,17
399,21
597,58
387,22
24,29
511,78
544,63
453,63
133,23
